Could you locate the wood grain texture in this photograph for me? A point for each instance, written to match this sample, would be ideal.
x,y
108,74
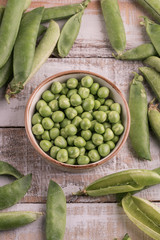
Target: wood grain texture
x,y
84,222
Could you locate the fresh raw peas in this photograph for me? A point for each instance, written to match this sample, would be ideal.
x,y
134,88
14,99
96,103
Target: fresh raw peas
x,y
70,128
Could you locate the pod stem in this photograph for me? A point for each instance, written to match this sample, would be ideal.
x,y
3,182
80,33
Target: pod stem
x,y
80,193
116,56
85,3
153,106
137,78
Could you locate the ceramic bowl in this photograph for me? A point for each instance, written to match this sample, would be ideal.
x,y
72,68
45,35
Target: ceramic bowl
x,y
115,94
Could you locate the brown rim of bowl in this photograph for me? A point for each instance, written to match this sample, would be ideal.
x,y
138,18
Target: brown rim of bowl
x,y
45,155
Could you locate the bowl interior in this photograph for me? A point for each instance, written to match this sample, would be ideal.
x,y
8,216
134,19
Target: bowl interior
x,y
115,94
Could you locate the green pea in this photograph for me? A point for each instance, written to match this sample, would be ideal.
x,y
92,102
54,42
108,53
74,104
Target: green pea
x,y
100,116
106,125
94,155
75,100
109,102
97,104
70,113
64,89
108,135
118,129
73,152
104,150
71,92
71,161
101,100
37,129
103,92
79,142
45,111
47,96
83,92
58,116
99,128
65,122
87,81
53,151
60,142
47,123
83,160
97,139
70,140
89,145
71,130
87,115
116,107
115,139
64,103
85,124
56,87
79,109
86,134
111,144
76,121
62,155
45,145
94,88
103,108
82,151
56,96
40,104
63,133
54,105
36,118
88,104
46,136
57,125
91,96
92,125
72,83
113,117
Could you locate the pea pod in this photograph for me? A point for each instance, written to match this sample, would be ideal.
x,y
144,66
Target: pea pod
x,y
153,7
45,48
9,28
7,169
56,212
14,192
139,53
154,119
11,220
153,31
139,130
69,34
27,4
41,30
143,214
122,182
153,62
114,24
6,72
153,79
63,12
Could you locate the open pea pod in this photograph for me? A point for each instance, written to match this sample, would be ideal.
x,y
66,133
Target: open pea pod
x,y
122,182
143,214
7,169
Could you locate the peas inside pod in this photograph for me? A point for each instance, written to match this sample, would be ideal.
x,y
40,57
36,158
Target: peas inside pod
x,y
77,122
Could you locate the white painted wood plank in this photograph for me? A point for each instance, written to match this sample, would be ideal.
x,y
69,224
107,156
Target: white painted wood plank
x,y
84,222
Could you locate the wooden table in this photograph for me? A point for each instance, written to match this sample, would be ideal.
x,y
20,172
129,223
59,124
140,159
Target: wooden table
x,y
87,218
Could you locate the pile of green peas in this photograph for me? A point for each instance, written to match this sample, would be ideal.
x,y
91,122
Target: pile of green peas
x,y
76,122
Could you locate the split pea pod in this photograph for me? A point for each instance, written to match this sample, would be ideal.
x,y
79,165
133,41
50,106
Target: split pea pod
x,y
69,34
154,119
139,130
114,24
153,31
11,220
122,182
6,72
153,79
153,62
12,193
145,215
56,212
7,169
9,28
45,48
62,12
139,53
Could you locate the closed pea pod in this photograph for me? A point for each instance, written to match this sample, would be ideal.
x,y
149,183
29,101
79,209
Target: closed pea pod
x,y
69,34
6,72
153,79
7,169
139,130
114,24
154,119
153,62
14,192
56,212
11,220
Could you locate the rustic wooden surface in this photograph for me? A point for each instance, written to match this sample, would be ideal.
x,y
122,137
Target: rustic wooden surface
x,y
87,218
